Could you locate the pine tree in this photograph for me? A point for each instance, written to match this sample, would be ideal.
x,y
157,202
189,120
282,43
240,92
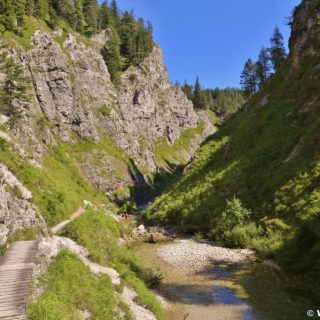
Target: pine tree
x,y
14,94
150,28
91,16
105,15
199,100
7,15
115,17
277,50
41,8
29,7
20,11
263,66
78,23
249,79
112,57
64,9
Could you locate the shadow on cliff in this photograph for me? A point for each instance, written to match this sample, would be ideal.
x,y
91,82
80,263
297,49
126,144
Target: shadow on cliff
x,y
145,191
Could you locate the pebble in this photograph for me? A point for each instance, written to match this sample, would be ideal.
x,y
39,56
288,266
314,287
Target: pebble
x,y
191,256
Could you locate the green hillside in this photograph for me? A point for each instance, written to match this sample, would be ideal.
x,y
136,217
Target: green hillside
x,y
256,183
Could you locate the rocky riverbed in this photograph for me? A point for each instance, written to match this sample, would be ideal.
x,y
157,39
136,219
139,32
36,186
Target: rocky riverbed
x,y
192,256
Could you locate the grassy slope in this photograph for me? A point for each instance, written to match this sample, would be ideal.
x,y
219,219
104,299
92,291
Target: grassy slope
x,y
100,234
58,188
70,287
167,156
249,158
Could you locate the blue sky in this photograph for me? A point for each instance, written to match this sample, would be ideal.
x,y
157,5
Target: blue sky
x,y
211,38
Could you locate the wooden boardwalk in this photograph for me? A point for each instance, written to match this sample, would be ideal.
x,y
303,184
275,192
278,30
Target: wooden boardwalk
x,y
16,268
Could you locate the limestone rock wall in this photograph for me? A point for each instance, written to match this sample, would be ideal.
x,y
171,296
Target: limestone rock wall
x,y
71,86
16,209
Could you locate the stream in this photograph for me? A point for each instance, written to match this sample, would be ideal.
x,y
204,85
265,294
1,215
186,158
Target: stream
x,y
204,296
247,291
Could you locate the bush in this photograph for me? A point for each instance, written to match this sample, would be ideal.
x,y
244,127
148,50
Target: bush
x,y
151,277
198,236
241,236
234,215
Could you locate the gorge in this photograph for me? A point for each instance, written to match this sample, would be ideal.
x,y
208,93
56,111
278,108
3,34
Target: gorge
x,y
91,129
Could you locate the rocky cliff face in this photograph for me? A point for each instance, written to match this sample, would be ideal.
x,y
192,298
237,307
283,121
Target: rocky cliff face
x,y
16,209
150,108
304,39
74,99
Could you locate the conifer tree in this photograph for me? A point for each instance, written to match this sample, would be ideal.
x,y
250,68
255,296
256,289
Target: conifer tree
x,y
112,57
115,13
20,11
277,50
249,79
14,93
150,28
29,9
7,15
105,15
199,100
91,16
78,23
263,67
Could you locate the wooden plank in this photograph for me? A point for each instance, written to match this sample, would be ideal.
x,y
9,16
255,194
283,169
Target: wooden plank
x,y
15,312
16,268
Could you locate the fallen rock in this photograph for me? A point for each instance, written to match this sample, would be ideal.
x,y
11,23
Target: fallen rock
x,y
152,238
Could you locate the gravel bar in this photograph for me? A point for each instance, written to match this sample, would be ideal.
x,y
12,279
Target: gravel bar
x,y
192,256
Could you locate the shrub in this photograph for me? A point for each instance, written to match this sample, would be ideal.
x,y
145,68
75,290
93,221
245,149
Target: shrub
x,y
241,236
198,236
234,215
151,277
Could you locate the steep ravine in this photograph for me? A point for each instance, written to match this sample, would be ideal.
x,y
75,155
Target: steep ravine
x,y
77,141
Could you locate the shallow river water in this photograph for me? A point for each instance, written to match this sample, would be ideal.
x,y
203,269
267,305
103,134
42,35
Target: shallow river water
x,y
215,294
208,295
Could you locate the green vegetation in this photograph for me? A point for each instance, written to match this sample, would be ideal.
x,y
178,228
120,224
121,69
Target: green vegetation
x,y
222,102
268,293
254,75
234,228
130,38
105,110
16,88
23,38
58,188
29,233
266,155
100,234
70,288
96,154
167,156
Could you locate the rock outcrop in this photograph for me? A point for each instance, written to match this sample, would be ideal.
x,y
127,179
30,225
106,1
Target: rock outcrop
x,y
74,99
150,108
16,210
305,30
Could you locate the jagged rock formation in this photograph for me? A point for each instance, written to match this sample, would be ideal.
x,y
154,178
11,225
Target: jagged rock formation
x,y
305,31
71,87
150,108
16,210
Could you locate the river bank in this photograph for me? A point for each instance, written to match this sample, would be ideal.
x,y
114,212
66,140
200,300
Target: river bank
x,y
207,282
